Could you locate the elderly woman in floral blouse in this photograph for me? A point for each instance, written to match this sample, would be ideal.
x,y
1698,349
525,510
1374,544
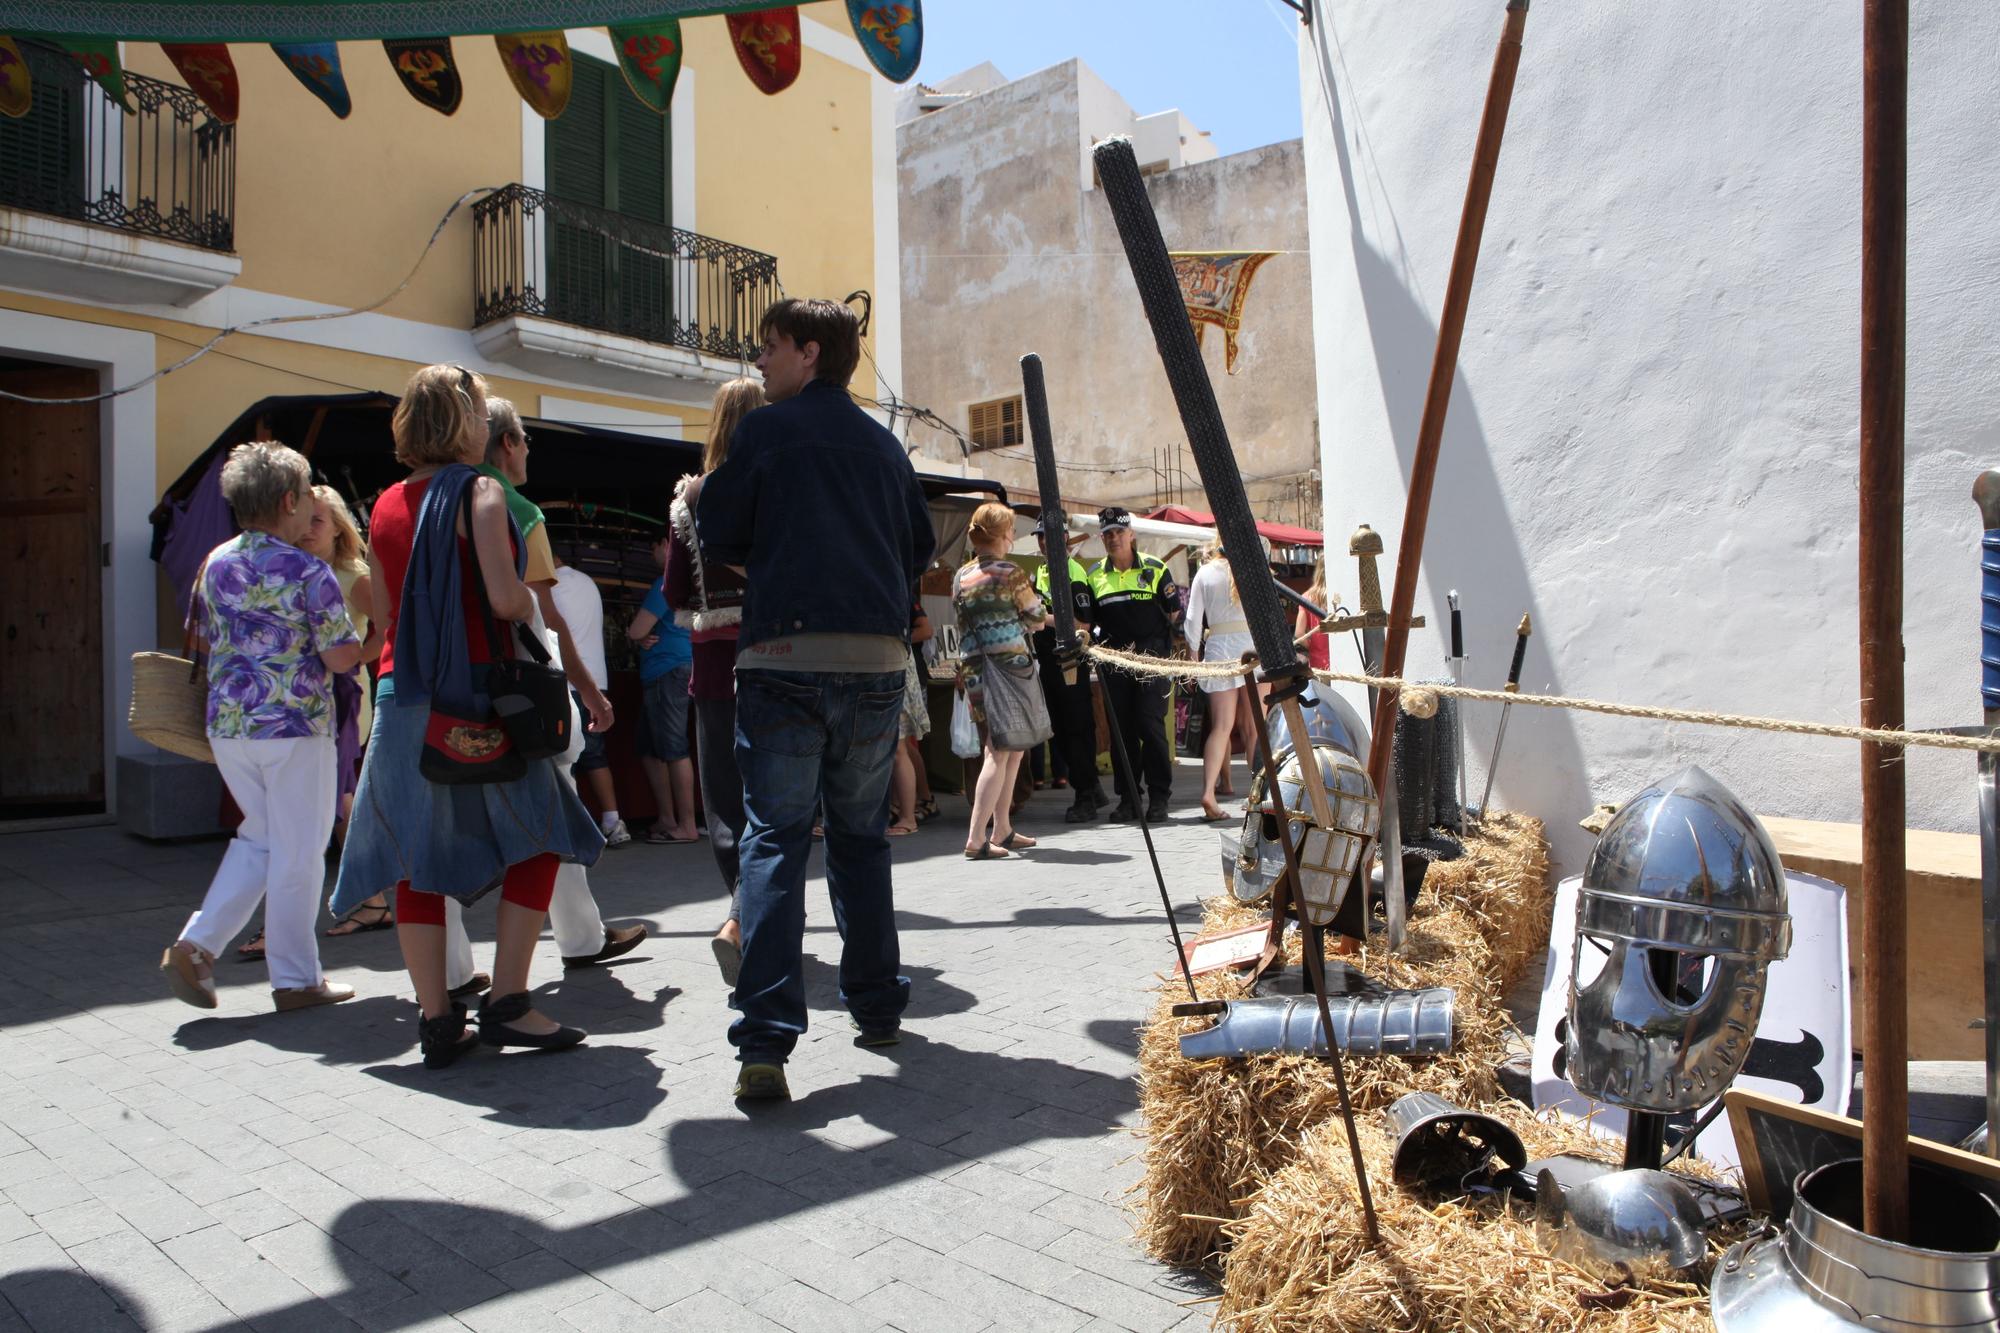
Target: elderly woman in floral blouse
x,y
277,629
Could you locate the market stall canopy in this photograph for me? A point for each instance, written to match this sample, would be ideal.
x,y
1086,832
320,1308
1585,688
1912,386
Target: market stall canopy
x,y
1280,534
416,36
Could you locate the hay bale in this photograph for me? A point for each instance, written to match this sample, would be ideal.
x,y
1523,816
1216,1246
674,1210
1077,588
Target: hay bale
x,y
1217,1130
1503,881
1299,1263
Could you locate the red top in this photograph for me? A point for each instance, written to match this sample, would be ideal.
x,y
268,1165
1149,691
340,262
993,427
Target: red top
x,y
391,531
1319,653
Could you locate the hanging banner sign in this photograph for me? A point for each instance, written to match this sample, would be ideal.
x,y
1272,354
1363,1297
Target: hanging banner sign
x,y
892,35
539,66
1214,285
650,56
768,46
17,86
317,66
425,67
210,73
99,58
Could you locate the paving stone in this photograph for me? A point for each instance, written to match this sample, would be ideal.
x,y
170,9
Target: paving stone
x,y
237,1169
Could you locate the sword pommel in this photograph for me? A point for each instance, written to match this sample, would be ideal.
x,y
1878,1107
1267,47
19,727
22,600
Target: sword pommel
x,y
1365,545
1986,494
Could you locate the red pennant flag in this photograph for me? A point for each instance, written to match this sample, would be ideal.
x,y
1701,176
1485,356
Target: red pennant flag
x,y
768,46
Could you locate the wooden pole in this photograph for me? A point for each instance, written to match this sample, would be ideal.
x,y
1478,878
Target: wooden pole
x,y
1444,368
1885,77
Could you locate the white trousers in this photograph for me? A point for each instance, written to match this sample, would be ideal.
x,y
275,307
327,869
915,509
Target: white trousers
x,y
573,915
285,789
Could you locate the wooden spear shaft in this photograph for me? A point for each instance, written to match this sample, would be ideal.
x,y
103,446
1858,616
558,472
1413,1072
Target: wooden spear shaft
x,y
1885,76
1444,368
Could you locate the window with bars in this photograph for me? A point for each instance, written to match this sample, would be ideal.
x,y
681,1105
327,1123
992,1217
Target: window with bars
x,y
611,151
997,424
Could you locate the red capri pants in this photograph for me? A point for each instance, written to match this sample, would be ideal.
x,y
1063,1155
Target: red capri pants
x,y
530,884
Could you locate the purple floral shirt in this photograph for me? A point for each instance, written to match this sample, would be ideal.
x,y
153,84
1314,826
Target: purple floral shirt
x,y
267,611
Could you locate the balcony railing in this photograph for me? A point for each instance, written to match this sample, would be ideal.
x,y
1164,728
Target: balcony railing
x,y
169,171
535,254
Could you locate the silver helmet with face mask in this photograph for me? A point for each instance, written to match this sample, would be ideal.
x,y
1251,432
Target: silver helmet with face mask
x,y
1685,896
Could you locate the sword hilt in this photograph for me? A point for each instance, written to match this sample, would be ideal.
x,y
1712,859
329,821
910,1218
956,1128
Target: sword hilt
x,y
1986,494
1521,634
1457,627
1365,545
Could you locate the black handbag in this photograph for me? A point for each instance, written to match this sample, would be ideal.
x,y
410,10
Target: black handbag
x,y
529,711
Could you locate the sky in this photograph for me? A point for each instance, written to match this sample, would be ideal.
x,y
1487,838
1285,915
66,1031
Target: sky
x,y
1230,65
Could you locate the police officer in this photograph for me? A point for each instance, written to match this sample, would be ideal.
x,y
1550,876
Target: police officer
x,y
1070,710
1137,608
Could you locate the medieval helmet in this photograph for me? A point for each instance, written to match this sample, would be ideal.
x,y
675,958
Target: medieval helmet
x,y
1331,723
1685,895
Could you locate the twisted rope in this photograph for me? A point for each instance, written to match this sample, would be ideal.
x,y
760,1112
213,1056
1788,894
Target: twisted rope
x,y
1141,665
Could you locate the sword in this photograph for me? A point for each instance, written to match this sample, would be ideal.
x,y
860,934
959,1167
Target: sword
x,y
1986,493
1055,547
1457,664
1521,633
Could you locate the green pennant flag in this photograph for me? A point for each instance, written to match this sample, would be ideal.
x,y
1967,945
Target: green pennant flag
x,y
650,55
99,58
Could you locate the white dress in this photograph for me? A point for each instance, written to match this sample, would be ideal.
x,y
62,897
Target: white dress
x,y
1215,621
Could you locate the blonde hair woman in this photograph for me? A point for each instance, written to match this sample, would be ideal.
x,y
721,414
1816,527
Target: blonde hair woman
x,y
430,563
997,609
1215,624
705,598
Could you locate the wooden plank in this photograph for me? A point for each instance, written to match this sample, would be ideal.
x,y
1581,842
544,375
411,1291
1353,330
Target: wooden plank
x,y
51,590
1947,984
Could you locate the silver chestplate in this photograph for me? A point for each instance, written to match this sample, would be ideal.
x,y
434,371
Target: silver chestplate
x,y
1685,894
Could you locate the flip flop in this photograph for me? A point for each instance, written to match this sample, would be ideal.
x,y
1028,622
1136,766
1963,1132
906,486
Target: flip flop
x,y
1017,842
658,839
728,957
251,950
895,832
384,919
988,852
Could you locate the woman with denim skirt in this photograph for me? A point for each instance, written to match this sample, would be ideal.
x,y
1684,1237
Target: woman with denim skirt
x,y
431,841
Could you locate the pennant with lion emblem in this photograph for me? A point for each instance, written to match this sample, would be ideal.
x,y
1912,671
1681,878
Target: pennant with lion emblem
x,y
539,66
892,35
425,66
99,58
1214,285
768,46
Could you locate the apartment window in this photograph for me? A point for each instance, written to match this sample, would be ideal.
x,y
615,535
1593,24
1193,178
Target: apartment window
x,y
609,151
997,424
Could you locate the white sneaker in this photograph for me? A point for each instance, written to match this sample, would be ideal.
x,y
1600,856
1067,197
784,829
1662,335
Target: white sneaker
x,y
617,835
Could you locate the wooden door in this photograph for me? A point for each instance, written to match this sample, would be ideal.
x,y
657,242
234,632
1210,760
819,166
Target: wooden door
x,y
51,597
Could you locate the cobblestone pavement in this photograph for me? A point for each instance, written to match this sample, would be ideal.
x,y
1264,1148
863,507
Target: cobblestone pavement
x,y
163,1168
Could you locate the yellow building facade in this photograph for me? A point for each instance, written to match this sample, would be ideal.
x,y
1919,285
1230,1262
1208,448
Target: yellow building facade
x,y
331,214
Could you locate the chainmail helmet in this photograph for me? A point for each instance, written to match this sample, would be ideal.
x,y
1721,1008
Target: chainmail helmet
x,y
1685,895
1333,725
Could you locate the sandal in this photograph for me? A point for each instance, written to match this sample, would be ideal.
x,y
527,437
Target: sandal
x,y
251,950
1016,842
986,851
900,831
190,974
384,918
927,810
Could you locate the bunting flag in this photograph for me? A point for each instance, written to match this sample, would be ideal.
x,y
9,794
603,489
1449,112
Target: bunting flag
x,y
892,35
650,55
425,67
17,86
99,58
1214,285
768,46
317,66
539,66
210,73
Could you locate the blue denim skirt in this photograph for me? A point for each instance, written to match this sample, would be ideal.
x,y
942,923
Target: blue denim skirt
x,y
457,841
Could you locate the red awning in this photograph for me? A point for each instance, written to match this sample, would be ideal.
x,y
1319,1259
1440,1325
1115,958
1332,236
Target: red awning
x,y
1280,534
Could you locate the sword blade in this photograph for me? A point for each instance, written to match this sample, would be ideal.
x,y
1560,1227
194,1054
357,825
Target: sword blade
x,y
1493,764
1390,841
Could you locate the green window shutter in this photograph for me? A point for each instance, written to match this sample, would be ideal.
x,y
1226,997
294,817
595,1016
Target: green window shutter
x,y
609,150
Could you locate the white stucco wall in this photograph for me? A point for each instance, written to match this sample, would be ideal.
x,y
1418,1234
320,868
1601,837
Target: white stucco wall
x,y
1652,437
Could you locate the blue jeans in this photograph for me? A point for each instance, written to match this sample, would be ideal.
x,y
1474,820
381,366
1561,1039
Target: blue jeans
x,y
803,737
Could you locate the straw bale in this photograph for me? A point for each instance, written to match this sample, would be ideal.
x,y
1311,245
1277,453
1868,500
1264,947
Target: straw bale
x,y
1299,1262
1217,1130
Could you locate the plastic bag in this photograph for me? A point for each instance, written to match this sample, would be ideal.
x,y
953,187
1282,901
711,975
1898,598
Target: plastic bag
x,y
964,731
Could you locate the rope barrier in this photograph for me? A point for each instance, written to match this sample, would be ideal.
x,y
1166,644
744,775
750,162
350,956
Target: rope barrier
x,y
1180,669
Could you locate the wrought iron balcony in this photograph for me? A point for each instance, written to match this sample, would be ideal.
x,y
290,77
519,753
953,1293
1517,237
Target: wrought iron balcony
x,y
537,255
169,171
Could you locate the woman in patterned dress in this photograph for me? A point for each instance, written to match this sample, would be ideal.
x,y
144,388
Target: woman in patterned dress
x,y
997,609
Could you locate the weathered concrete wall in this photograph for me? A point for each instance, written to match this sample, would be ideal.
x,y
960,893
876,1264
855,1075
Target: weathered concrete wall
x,y
1006,251
1652,437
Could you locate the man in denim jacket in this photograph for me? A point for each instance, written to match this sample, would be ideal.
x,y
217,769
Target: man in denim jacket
x,y
819,507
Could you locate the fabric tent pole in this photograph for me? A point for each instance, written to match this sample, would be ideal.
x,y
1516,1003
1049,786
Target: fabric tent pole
x,y
1885,80
1444,368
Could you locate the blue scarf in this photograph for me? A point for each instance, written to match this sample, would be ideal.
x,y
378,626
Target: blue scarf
x,y
431,655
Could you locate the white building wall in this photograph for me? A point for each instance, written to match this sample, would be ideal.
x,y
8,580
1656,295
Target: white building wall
x,y
1652,436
